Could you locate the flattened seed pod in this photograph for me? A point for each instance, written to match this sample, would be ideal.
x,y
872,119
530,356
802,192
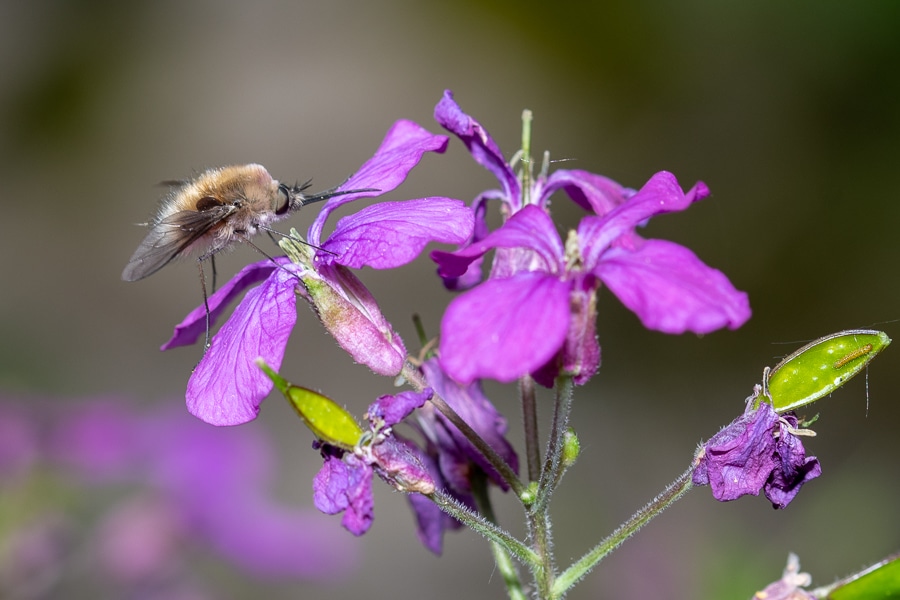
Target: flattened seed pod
x,y
820,367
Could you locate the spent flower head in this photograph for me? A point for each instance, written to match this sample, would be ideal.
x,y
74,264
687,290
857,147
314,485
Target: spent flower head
x,y
344,483
759,451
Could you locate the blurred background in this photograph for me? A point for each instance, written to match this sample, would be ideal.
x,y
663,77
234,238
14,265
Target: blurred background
x,y
790,112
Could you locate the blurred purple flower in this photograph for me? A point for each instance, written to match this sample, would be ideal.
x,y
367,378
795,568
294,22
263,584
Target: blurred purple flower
x,y
344,483
195,482
758,451
543,308
19,442
226,388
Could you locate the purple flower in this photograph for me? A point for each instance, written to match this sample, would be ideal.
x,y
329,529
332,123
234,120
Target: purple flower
x,y
537,312
344,483
173,483
758,451
542,308
226,388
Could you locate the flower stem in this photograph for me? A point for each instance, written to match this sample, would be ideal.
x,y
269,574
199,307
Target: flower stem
x,y
538,513
474,521
414,377
529,418
583,566
502,559
552,465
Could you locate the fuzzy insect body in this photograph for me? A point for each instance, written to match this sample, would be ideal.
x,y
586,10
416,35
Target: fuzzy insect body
x,y
212,211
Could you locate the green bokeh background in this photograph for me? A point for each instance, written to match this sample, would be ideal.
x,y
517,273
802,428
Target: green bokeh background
x,y
790,112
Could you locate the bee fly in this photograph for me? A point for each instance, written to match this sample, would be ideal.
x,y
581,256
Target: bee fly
x,y
214,210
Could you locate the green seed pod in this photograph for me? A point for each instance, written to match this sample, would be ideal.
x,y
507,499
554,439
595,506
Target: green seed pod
x,y
328,421
820,367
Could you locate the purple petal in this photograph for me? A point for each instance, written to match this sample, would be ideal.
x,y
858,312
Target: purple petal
x,y
781,489
476,410
530,228
794,467
361,509
671,290
479,142
504,328
346,486
227,387
430,522
330,485
473,274
393,409
739,459
194,324
390,234
401,150
592,192
661,194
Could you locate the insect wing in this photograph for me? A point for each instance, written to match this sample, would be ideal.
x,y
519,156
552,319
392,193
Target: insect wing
x,y
170,237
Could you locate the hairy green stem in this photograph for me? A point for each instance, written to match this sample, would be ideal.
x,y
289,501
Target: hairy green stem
x,y
478,523
414,377
550,474
502,559
583,566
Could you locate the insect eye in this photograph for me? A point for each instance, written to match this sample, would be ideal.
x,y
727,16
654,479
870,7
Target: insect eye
x,y
284,200
208,203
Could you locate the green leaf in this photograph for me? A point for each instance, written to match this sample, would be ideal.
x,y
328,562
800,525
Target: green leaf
x,y
329,421
819,368
881,580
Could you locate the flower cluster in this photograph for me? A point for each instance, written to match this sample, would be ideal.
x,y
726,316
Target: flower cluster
x,y
534,313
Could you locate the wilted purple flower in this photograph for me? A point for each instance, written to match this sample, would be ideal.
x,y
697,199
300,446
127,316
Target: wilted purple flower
x,y
543,308
758,451
227,388
344,483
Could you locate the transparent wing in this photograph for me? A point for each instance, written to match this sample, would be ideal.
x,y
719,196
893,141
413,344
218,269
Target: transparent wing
x,y
170,237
